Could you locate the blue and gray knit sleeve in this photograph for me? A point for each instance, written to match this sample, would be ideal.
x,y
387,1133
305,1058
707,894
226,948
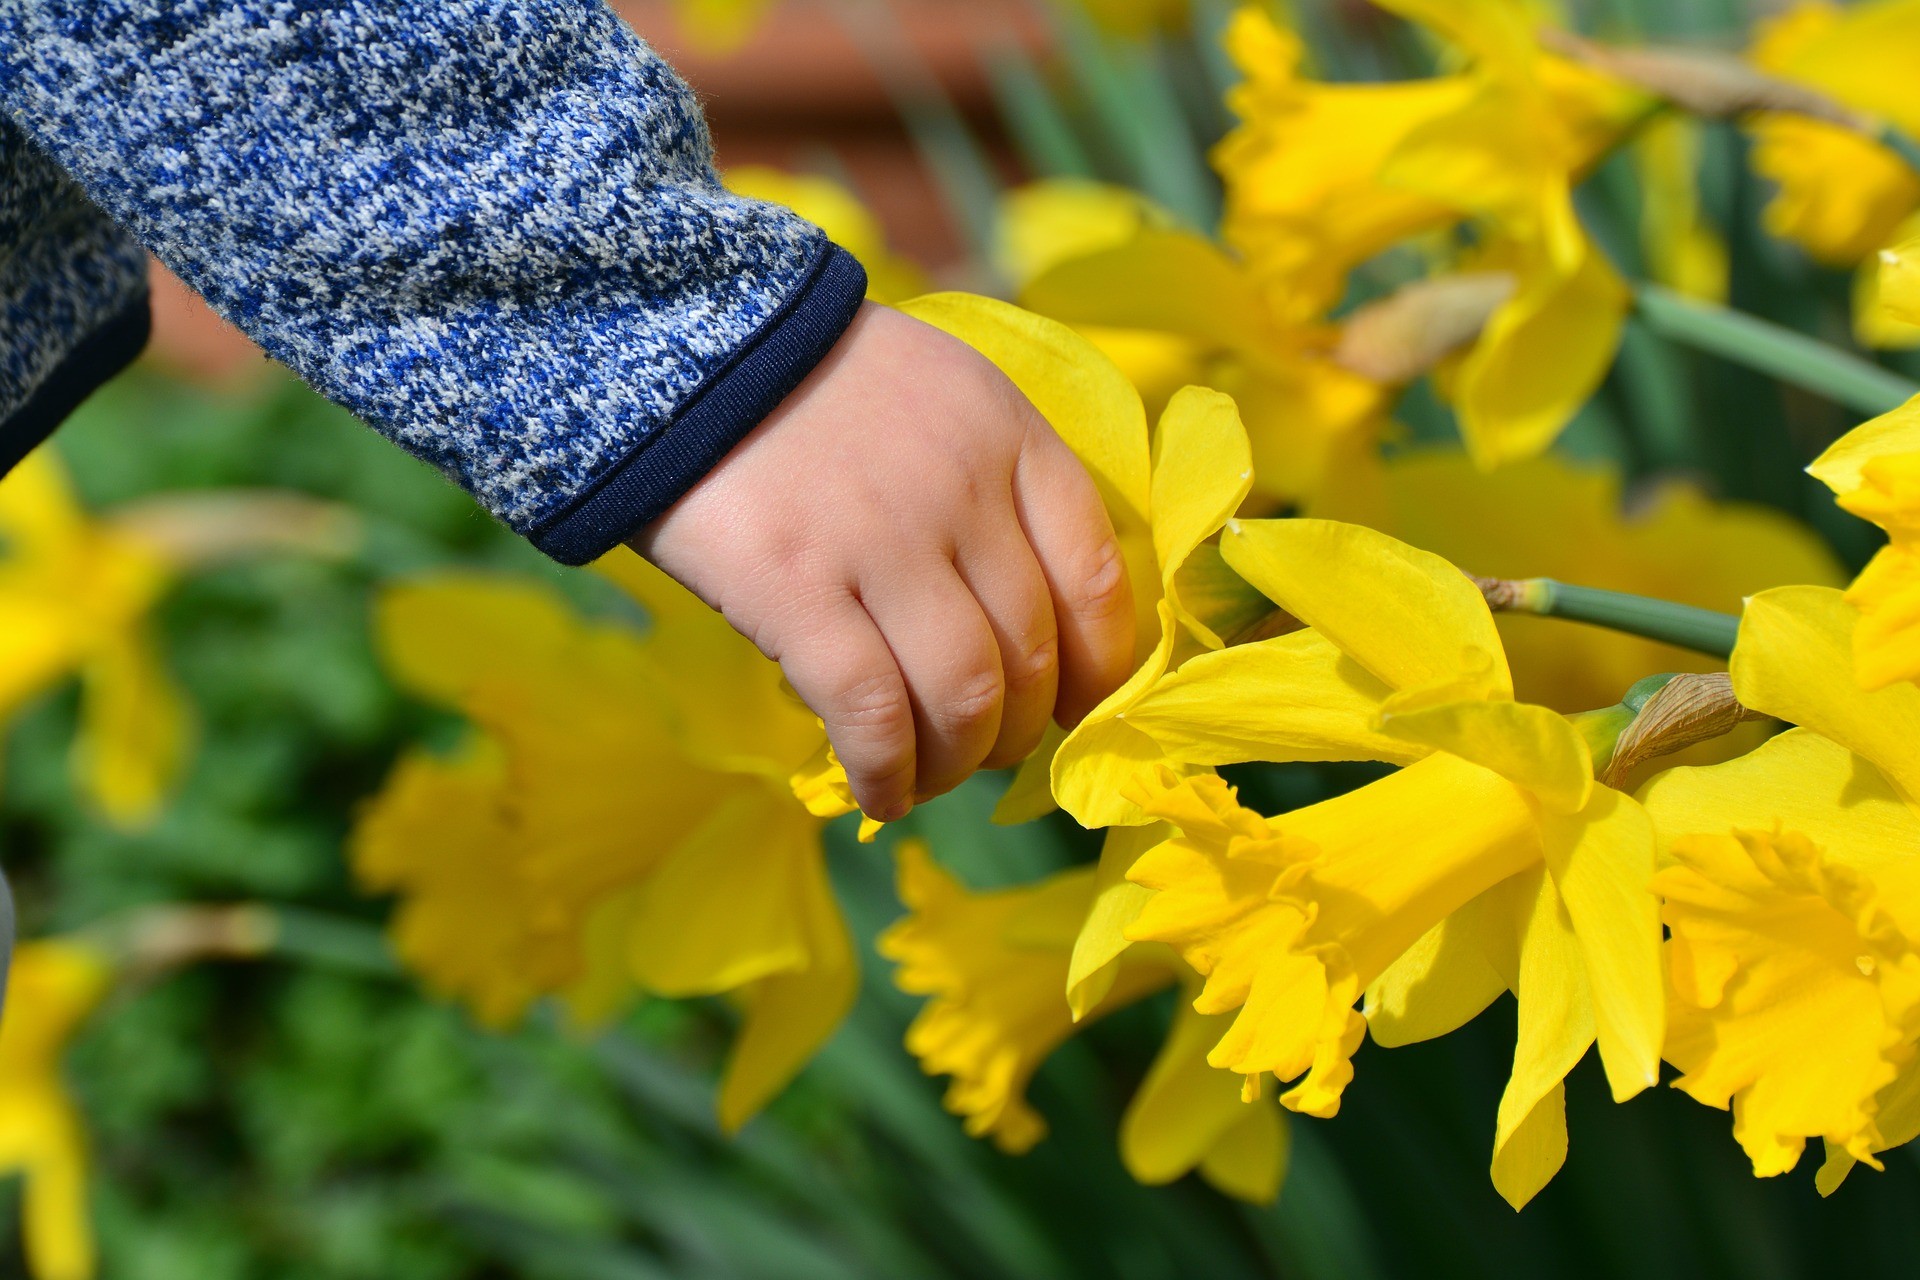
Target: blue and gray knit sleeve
x,y
490,228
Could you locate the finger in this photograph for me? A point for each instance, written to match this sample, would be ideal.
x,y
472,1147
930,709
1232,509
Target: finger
x,y
844,670
999,567
946,651
1086,573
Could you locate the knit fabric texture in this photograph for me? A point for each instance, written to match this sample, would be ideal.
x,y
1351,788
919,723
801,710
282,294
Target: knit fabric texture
x,y
67,273
490,228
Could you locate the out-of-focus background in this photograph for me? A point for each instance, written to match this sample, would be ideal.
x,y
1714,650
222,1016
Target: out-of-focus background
x,y
317,1116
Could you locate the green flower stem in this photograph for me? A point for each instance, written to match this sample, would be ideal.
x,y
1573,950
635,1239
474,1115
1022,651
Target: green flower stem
x,y
1700,630
340,943
1792,357
1902,144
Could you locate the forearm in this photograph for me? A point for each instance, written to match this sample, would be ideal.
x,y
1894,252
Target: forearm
x,y
489,227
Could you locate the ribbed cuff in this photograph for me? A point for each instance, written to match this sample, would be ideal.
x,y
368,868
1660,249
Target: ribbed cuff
x,y
100,355
717,417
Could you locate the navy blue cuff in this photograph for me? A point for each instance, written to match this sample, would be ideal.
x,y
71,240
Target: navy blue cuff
x,y
98,356
716,418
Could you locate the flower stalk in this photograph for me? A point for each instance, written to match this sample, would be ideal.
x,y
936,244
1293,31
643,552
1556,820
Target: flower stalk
x,y
1701,630
1758,344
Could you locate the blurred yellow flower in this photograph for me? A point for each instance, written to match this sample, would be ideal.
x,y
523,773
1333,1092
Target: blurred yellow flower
x,y
1554,518
1899,281
628,821
1842,195
838,212
1684,251
1509,156
1305,203
720,26
1793,894
54,985
1322,177
75,594
1291,918
994,966
1172,309
1874,471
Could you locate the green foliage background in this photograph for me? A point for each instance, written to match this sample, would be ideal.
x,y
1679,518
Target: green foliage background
x,y
315,1116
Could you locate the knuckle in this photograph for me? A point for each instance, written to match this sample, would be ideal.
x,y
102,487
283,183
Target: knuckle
x,y
874,705
1102,588
973,701
1032,664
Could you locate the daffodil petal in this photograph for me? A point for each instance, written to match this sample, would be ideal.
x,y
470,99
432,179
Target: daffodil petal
x,y
1163,280
1202,472
1116,903
1531,1148
1104,758
1440,983
1799,781
1541,356
1602,862
1184,1109
1897,1118
135,730
1076,389
1030,794
1840,468
1530,746
1556,1025
1295,697
790,1015
1217,604
1794,660
1405,615
1249,1162
718,911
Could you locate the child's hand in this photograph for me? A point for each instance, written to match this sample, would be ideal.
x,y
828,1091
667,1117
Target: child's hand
x,y
925,559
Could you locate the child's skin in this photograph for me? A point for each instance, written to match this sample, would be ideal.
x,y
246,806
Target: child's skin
x,y
929,564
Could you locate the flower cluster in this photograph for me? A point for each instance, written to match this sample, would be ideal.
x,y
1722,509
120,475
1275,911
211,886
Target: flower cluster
x,y
1688,835
1552,825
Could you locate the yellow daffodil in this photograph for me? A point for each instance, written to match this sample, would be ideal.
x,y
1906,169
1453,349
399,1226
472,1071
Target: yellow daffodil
x,y
1899,281
1291,918
720,26
1320,178
53,987
75,594
1842,195
994,966
1165,495
1305,203
1684,251
1793,896
1171,308
628,820
838,212
1508,156
1874,471
1050,223
1886,294
1550,517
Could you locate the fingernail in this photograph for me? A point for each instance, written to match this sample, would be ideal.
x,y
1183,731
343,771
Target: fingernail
x,y
899,810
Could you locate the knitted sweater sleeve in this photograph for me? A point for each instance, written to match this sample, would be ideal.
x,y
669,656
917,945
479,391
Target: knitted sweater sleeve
x,y
490,228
